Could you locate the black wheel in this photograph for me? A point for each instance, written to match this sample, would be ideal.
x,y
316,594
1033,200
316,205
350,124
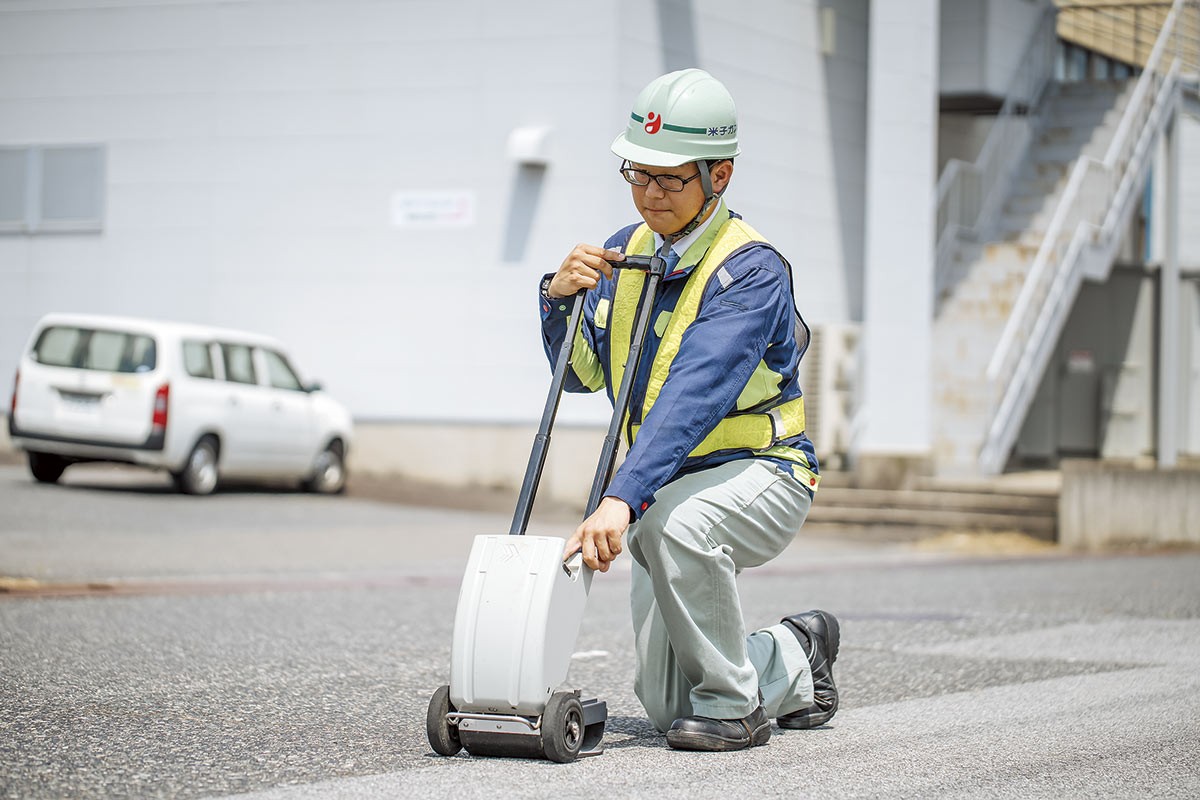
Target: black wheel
x,y
562,727
329,471
443,737
199,473
46,468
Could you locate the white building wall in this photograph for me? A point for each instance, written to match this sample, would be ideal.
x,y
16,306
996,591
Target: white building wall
x,y
802,130
963,44
1010,24
981,43
254,150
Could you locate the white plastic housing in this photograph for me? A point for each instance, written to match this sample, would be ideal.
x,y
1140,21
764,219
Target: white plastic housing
x,y
518,617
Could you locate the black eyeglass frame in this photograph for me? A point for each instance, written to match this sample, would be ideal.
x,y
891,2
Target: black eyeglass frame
x,y
628,171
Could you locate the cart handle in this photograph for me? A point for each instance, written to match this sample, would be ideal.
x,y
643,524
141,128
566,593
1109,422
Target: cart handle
x,y
656,267
651,264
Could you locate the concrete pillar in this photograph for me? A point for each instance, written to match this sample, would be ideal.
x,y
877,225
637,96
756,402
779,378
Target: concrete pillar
x,y
1170,333
895,421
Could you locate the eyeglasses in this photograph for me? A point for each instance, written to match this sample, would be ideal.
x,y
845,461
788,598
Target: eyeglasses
x,y
668,183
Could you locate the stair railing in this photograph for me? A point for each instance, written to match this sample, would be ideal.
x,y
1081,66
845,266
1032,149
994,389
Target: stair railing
x,y
968,193
1088,216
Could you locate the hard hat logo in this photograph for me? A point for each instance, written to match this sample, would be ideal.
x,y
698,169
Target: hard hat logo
x,y
653,123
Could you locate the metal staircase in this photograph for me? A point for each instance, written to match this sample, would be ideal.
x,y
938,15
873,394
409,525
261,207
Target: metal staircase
x,y
1074,121
1045,206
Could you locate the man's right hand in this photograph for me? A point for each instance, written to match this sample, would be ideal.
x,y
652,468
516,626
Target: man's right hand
x,y
599,536
581,269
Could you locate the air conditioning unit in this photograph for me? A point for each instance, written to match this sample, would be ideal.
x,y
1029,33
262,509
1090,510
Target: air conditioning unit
x,y
828,375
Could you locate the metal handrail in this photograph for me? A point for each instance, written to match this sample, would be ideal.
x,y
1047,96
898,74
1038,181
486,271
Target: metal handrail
x,y
967,192
1094,211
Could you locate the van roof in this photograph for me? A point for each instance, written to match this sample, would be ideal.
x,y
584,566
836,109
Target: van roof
x,y
152,326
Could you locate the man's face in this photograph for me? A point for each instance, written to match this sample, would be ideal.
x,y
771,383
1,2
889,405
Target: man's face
x,y
667,212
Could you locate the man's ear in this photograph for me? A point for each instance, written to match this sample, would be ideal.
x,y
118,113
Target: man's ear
x,y
722,173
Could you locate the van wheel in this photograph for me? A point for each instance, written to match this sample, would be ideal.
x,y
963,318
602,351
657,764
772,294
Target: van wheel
x,y
329,472
46,468
199,473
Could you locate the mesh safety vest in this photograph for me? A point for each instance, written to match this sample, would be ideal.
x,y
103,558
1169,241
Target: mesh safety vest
x,y
759,420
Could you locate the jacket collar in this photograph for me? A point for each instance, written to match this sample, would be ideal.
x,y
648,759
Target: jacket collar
x,y
691,248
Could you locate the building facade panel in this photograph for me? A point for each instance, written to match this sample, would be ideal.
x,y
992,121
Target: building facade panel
x,y
271,143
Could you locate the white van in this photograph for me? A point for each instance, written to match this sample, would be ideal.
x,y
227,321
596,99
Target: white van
x,y
203,403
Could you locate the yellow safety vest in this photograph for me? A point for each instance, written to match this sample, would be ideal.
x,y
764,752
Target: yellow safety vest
x,y
754,424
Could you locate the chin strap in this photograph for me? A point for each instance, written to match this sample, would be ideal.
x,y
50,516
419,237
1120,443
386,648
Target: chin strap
x,y
711,199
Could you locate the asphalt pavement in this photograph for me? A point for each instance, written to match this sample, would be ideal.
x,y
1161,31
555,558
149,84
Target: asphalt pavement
x,y
271,644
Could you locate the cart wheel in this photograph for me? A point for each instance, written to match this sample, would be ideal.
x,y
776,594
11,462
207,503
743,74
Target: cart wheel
x,y
562,727
442,737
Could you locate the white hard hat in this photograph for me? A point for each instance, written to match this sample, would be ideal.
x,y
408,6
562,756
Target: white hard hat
x,y
680,117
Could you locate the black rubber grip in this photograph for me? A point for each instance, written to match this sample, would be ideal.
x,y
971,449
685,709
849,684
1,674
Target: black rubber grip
x,y
644,263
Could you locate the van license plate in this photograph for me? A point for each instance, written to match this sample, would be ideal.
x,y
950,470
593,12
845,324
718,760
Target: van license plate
x,y
80,402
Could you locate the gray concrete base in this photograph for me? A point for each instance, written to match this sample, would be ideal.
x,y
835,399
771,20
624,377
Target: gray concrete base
x,y
7,453
493,456
1106,505
461,456
891,471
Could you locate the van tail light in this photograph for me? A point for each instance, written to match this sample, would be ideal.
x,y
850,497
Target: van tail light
x,y
159,420
12,409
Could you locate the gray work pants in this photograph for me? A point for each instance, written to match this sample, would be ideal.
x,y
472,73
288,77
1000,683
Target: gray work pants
x,y
693,654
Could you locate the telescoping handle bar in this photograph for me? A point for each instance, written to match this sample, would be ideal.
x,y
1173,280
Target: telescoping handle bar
x,y
655,267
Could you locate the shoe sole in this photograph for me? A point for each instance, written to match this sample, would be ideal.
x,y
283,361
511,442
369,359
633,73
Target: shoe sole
x,y
690,740
796,721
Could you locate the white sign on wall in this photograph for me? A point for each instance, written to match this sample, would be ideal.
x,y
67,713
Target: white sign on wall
x,y
433,209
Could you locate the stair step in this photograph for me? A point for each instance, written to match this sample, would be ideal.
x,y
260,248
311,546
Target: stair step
x,y
1088,118
977,499
1045,484
1015,226
1050,174
1043,526
1066,134
1067,153
1029,203
1026,502
996,252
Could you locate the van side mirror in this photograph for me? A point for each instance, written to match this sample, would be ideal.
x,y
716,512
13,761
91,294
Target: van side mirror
x,y
313,386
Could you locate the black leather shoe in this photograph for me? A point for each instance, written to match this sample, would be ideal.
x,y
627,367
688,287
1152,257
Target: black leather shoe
x,y
820,636
705,733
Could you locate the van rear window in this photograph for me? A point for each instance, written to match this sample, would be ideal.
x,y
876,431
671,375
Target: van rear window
x,y
86,348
